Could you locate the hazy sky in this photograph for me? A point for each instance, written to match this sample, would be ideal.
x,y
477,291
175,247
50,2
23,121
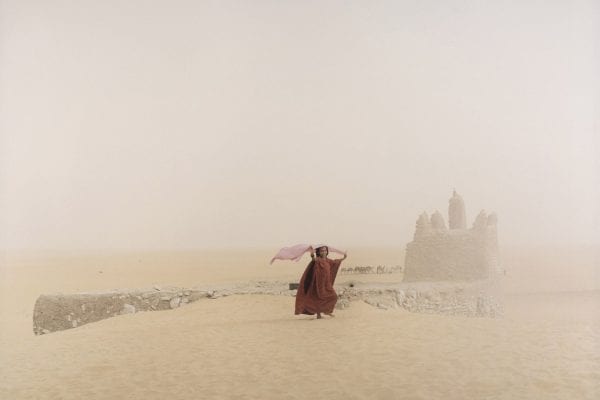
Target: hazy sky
x,y
186,124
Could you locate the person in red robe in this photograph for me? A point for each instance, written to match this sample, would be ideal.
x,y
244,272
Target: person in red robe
x,y
315,293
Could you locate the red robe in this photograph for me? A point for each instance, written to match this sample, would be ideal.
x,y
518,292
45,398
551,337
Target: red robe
x,y
315,293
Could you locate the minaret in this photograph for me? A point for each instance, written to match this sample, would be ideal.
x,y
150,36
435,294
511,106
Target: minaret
x,y
423,226
457,218
437,221
481,221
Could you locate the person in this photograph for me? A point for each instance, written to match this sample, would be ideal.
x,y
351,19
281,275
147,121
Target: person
x,y
315,293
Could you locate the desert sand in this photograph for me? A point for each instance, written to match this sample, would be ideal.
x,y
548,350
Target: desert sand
x,y
248,347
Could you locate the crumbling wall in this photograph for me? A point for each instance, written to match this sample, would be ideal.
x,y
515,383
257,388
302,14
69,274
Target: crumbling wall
x,y
448,256
58,312
471,299
456,254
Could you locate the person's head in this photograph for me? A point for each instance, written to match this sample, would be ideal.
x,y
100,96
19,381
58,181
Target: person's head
x,y
322,251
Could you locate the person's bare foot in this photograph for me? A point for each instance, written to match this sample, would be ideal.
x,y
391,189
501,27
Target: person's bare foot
x,y
319,316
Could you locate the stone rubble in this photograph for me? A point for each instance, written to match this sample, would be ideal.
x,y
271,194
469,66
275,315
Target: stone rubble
x,y
58,312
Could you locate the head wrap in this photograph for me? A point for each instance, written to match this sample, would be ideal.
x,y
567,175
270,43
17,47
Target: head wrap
x,y
296,252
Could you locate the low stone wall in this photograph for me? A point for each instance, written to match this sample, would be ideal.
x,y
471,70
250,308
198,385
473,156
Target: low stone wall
x,y
66,311
56,312
472,299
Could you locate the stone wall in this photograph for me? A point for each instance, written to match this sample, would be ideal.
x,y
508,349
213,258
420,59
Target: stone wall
x,y
471,299
67,311
55,312
441,254
58,312
451,255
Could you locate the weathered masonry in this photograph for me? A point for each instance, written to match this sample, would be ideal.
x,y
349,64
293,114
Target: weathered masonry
x,y
454,253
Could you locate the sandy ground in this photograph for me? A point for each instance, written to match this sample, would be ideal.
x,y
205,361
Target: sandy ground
x,y
249,347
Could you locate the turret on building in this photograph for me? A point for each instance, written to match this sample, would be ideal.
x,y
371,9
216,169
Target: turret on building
x,y
455,254
457,216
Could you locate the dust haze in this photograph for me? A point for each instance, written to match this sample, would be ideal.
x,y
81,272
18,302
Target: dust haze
x,y
235,124
147,144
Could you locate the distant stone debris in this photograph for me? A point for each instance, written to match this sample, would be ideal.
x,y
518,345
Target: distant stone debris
x,y
370,269
438,253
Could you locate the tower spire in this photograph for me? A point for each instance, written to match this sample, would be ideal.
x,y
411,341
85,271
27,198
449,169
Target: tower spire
x,y
457,218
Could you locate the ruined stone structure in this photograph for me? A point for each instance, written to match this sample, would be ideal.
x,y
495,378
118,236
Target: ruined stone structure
x,y
57,312
447,271
457,216
456,253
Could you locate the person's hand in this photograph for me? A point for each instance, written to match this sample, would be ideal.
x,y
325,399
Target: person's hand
x,y
312,255
345,255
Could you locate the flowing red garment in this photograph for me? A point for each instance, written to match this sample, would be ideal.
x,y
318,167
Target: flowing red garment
x,y
315,293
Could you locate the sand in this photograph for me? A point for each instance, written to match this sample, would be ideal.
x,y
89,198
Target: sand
x,y
249,347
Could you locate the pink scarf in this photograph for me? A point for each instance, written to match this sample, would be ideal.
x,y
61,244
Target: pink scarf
x,y
296,252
